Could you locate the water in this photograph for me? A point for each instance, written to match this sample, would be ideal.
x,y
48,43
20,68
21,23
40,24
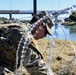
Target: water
x,y
64,32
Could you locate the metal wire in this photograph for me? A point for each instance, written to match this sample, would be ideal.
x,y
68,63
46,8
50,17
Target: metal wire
x,y
63,48
71,69
49,56
30,29
68,64
63,45
51,49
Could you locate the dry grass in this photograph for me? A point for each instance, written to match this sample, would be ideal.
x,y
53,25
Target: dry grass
x,y
62,53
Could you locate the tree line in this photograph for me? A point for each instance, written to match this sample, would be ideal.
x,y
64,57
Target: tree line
x,y
67,19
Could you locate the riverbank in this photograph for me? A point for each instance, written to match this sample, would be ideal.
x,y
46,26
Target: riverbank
x,y
69,23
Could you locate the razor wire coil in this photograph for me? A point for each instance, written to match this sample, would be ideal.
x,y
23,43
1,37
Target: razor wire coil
x,y
24,46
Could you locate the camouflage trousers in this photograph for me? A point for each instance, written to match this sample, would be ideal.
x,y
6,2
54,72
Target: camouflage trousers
x,y
37,68
35,64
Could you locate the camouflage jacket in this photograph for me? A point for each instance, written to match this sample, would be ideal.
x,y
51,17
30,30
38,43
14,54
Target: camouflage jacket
x,y
9,39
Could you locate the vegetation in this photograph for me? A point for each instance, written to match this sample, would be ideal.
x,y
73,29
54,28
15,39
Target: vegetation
x,y
69,22
67,19
74,13
6,20
3,19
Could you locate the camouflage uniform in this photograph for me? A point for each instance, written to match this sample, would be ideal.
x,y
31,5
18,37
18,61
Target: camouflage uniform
x,y
9,39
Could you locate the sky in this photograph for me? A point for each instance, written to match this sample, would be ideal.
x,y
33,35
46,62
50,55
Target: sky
x,y
28,5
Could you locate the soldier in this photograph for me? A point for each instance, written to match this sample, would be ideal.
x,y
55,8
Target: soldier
x,y
9,40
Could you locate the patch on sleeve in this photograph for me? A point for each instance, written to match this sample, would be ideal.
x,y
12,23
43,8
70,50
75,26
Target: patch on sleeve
x,y
35,42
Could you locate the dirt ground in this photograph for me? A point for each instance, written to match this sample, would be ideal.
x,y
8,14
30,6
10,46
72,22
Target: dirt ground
x,y
61,56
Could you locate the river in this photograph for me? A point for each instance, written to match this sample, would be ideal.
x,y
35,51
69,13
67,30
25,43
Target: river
x,y
64,32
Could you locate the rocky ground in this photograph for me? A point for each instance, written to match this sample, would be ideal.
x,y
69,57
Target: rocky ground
x,y
62,53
